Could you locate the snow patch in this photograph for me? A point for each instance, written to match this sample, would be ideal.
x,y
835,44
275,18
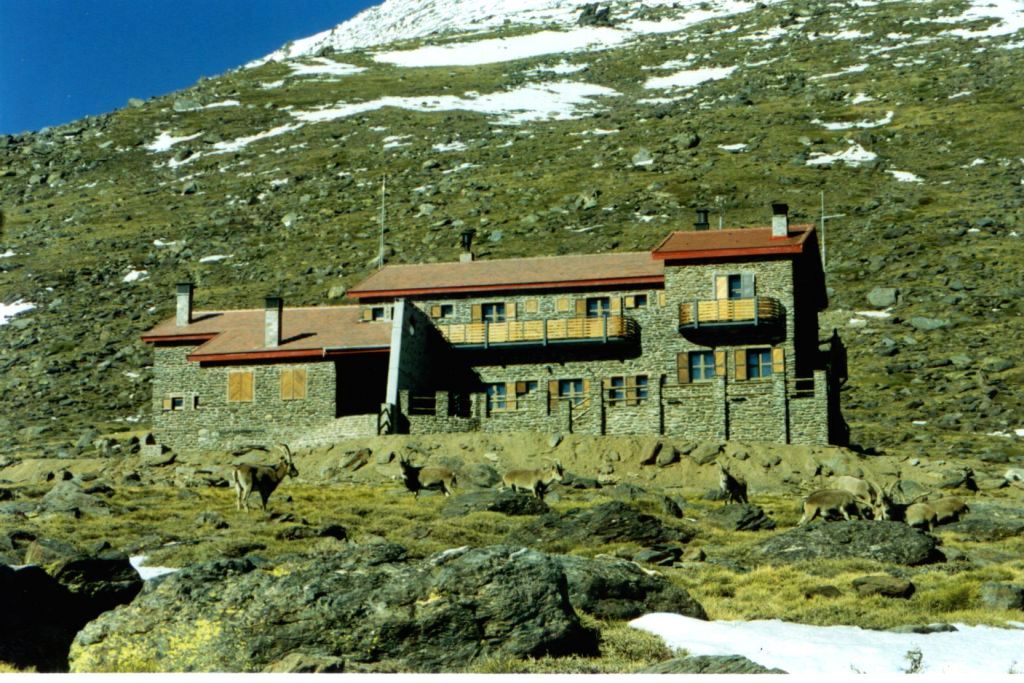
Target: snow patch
x,y
689,78
737,147
135,276
322,66
164,141
847,125
215,258
241,143
147,573
456,146
855,69
8,254
805,649
854,155
8,311
905,177
558,101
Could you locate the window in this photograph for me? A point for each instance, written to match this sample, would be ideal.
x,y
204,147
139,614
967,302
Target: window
x,y
240,386
174,403
571,389
627,390
734,286
493,312
378,313
701,365
526,388
293,384
635,301
442,311
497,397
759,363
599,307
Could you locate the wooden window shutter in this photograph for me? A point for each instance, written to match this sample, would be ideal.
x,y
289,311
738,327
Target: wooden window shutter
x,y
247,386
286,385
168,405
720,363
683,367
367,315
581,307
606,385
520,388
562,305
778,360
234,386
631,397
532,306
741,363
629,302
616,305
721,286
510,310
586,394
747,285
510,395
476,313
299,383
661,298
552,395
435,311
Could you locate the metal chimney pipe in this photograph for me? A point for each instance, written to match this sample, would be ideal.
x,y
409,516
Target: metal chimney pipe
x,y
467,245
274,307
184,313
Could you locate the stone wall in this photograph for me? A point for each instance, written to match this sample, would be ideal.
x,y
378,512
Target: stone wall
x,y
207,420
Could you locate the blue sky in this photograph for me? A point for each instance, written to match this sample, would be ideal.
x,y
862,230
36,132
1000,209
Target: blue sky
x,y
61,60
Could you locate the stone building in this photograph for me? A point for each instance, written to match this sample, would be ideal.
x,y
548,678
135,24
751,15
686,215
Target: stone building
x,y
710,335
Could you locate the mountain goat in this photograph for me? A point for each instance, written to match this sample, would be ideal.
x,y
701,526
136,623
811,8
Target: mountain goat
x,y
832,502
418,477
263,478
535,481
880,499
733,489
935,512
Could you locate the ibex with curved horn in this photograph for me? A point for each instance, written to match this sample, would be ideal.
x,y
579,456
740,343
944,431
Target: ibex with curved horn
x,y
263,478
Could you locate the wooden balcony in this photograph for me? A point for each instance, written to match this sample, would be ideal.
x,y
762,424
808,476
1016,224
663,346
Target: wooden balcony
x,y
754,311
614,328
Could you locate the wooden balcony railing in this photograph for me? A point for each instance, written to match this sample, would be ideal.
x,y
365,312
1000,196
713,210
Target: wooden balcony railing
x,y
486,334
758,310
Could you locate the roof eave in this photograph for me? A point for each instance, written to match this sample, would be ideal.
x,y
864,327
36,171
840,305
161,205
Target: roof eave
x,y
707,254
508,287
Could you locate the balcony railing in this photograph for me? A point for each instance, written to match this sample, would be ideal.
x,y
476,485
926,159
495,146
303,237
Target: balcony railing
x,y
758,310
612,328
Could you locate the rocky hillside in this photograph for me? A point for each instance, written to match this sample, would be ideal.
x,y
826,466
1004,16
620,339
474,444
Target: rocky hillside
x,y
551,129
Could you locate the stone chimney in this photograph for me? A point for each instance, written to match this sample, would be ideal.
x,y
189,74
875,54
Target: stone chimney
x,y
272,322
467,245
780,220
184,316
702,220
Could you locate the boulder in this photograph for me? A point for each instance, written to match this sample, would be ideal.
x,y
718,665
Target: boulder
x,y
705,453
613,522
884,585
44,609
302,663
882,541
743,517
368,605
479,475
883,297
506,502
615,589
709,664
68,497
1005,596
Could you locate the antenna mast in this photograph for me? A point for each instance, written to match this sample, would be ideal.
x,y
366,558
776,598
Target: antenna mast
x,y
383,215
824,252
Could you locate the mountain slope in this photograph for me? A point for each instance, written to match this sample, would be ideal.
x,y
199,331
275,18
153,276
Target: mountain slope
x,y
546,137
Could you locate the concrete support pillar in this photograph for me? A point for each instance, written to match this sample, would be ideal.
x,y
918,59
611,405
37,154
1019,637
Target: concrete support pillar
x,y
273,311
184,313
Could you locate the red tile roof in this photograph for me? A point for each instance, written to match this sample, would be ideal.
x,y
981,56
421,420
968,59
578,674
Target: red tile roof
x,y
707,244
546,272
305,333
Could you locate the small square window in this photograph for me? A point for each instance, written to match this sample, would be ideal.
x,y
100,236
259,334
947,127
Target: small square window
x,y
378,313
616,390
571,389
759,363
599,307
493,312
640,301
497,396
177,403
702,366
446,311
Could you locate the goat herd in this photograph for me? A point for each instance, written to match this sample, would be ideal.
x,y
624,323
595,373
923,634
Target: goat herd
x,y
864,499
850,496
